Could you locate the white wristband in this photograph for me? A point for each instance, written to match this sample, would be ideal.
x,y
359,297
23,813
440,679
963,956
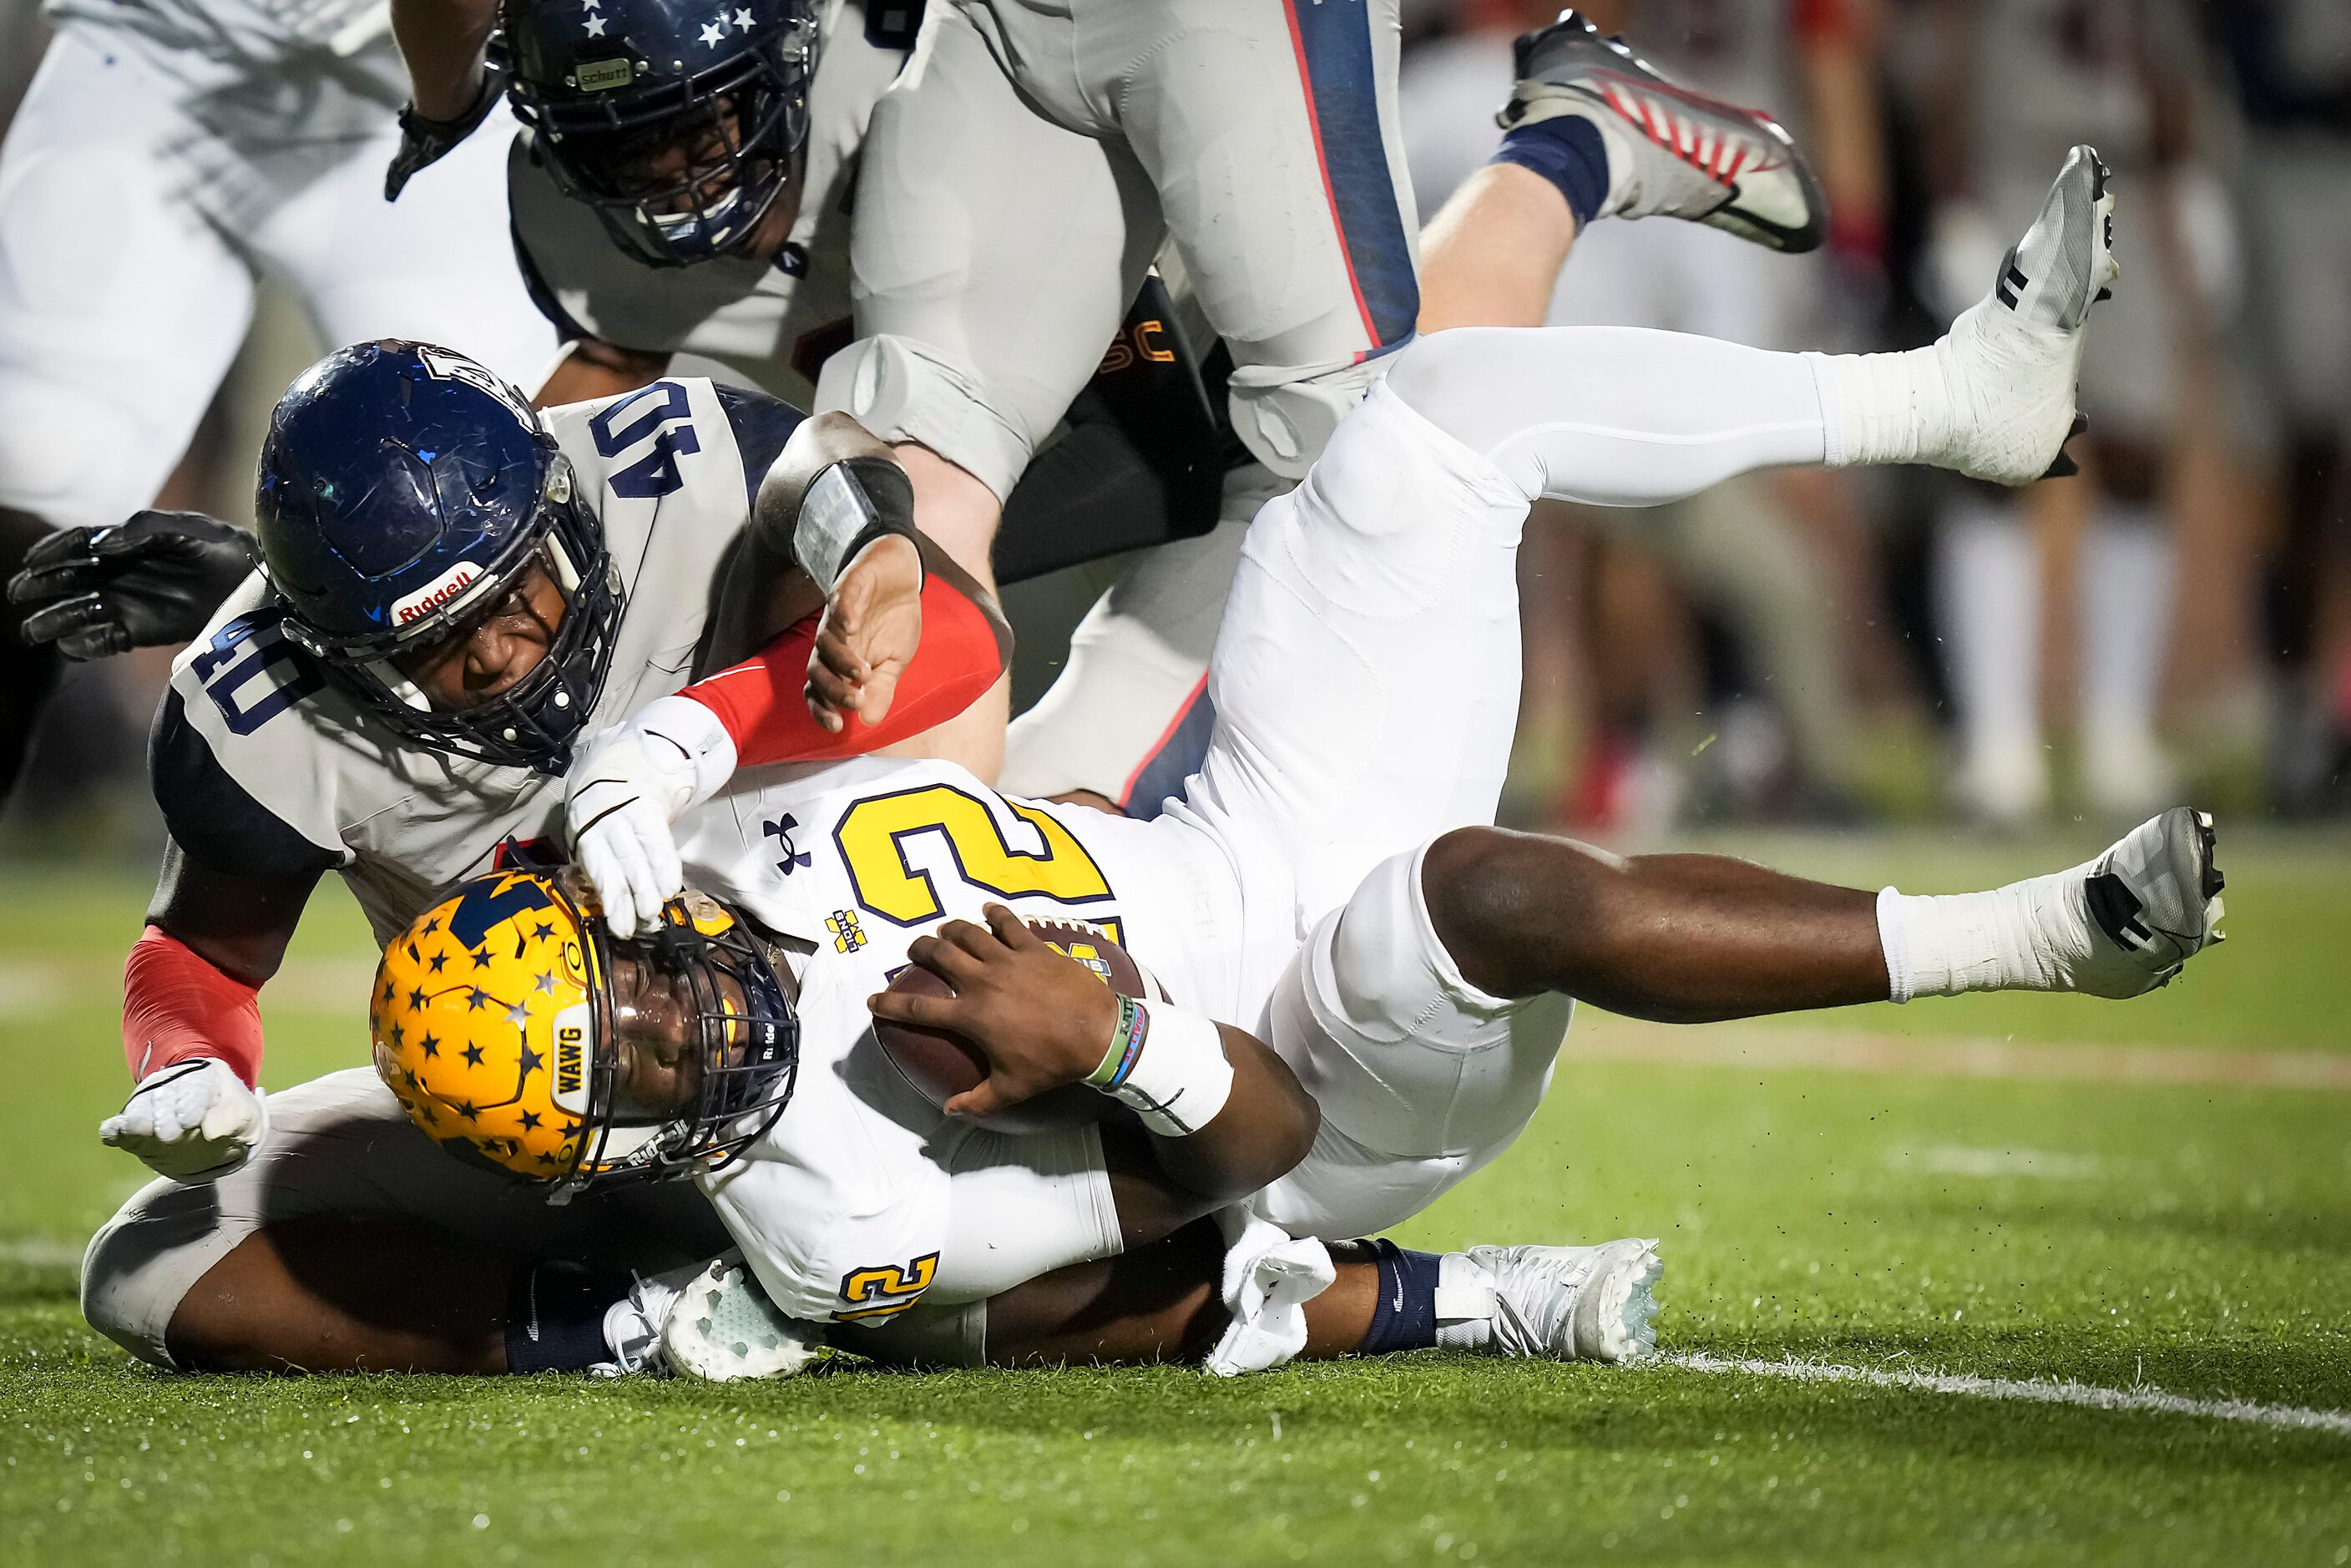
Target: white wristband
x,y
1177,1077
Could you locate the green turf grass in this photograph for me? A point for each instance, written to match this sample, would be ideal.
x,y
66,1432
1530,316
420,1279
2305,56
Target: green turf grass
x,y
2196,1238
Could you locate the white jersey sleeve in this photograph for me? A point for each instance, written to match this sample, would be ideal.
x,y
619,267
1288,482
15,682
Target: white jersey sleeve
x,y
774,322
260,764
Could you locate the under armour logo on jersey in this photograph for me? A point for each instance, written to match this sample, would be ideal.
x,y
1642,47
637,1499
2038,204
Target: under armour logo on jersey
x,y
794,856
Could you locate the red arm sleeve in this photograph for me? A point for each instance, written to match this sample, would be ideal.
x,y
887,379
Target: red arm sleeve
x,y
761,701
176,1007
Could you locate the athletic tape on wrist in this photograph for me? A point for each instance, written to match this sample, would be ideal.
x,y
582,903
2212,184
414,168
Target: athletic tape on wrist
x,y
1166,1065
848,507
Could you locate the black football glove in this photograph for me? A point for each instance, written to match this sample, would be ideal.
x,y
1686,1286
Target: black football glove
x,y
153,581
425,142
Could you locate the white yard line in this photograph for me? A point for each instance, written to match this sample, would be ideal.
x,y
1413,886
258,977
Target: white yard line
x,y
1857,1050
2035,1390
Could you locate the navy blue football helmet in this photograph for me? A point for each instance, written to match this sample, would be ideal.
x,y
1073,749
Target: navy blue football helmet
x,y
404,492
680,124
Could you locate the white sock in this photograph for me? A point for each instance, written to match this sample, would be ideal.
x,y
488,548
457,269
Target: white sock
x,y
2026,936
1884,408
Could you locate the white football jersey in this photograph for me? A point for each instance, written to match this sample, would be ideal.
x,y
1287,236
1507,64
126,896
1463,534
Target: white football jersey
x,y
843,1207
776,322
261,765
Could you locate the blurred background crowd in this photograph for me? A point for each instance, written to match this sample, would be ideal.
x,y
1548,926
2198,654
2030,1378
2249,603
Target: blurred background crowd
x,y
1850,647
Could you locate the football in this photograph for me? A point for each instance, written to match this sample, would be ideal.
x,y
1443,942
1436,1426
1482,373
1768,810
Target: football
x,y
941,1064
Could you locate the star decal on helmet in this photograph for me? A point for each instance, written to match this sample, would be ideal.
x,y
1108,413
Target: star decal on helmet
x,y
429,1045
519,1016
714,30
473,1054
476,999
481,957
416,997
595,26
435,962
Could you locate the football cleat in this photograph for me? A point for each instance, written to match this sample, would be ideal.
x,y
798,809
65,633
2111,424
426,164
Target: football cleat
x,y
2009,363
1671,152
723,1328
2155,902
1568,1303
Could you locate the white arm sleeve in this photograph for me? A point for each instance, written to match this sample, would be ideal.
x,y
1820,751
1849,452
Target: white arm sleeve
x,y
1021,1206
1613,416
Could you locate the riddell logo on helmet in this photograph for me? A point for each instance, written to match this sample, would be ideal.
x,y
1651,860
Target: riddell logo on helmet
x,y
434,595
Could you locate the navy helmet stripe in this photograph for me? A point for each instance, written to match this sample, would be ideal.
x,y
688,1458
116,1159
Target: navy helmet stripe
x,y
1334,41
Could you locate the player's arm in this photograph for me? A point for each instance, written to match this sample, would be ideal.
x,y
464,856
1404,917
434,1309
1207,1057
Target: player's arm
x,y
452,89
638,778
1223,1115
871,636
191,984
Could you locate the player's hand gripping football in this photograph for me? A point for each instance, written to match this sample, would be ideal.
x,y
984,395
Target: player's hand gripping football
x,y
872,626
152,581
1041,1017
193,1120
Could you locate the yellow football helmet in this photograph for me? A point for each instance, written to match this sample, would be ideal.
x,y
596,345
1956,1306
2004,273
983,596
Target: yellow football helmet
x,y
497,1023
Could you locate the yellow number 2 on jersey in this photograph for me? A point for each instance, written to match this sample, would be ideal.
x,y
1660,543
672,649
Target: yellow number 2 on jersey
x,y
875,835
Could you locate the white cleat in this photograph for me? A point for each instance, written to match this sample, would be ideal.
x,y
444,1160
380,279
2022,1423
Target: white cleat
x,y
2154,901
723,1328
2009,363
1671,152
1568,1303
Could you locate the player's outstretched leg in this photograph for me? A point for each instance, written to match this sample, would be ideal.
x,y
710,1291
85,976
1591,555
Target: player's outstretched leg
x,y
1671,152
1993,398
2119,926
1591,130
1566,1303
1691,939
1617,416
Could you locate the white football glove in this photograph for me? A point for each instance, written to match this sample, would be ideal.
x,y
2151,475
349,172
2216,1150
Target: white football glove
x,y
623,792
193,1120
